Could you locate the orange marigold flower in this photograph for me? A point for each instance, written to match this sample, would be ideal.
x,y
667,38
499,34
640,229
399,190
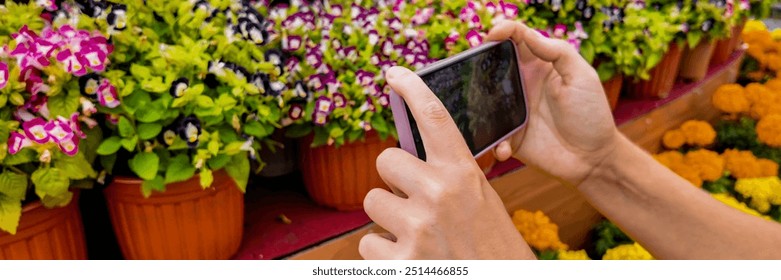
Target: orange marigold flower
x,y
673,139
774,84
709,164
538,230
762,109
773,61
731,98
689,173
769,130
669,158
756,92
768,168
742,164
698,133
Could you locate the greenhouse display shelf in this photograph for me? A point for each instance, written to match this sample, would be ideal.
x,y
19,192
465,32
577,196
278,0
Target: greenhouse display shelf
x,y
316,232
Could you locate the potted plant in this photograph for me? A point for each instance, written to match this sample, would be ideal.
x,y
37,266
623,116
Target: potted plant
x,y
195,97
708,23
47,140
726,47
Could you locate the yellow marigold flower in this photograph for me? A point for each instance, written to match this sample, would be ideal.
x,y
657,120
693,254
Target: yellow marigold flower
x,y
669,158
768,168
742,164
579,255
769,130
731,98
628,252
698,133
538,230
776,34
734,203
709,164
763,192
673,139
754,25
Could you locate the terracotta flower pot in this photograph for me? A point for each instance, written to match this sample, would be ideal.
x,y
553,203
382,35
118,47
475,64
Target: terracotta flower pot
x,y
341,177
695,62
612,89
184,222
46,234
726,47
662,77
486,162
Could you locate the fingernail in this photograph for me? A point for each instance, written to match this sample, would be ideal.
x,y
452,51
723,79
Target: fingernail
x,y
396,72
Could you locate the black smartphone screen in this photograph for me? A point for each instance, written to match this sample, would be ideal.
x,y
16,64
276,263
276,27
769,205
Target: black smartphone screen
x,y
483,94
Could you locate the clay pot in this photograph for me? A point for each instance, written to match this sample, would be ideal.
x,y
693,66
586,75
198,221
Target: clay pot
x,y
46,234
184,222
695,62
486,162
341,177
726,47
612,89
662,77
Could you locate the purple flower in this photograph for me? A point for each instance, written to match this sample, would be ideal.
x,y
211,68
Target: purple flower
x,y
291,43
74,124
510,10
474,38
336,10
579,32
69,146
49,5
73,64
559,30
296,111
374,37
316,82
59,130
94,57
3,75
388,47
422,16
384,100
395,24
320,118
35,130
365,78
190,130
300,90
324,104
293,65
107,94
491,8
36,102
17,142
112,118
475,23
339,100
178,87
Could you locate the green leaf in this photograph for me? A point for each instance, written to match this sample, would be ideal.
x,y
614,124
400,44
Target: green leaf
x,y
129,143
50,181
298,130
204,101
151,112
254,128
13,185
145,165
238,169
148,131
76,167
125,127
140,72
109,146
179,169
107,162
10,212
234,148
64,104
336,132
218,161
26,155
226,102
156,184
51,201
207,178
379,123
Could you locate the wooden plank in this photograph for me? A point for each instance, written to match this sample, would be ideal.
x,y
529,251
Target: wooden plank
x,y
531,189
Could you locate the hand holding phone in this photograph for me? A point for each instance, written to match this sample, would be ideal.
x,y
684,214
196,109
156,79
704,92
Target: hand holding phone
x,y
483,92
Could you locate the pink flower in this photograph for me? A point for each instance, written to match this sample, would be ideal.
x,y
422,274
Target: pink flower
x,y
559,30
49,5
510,10
575,43
112,118
17,142
35,130
339,100
491,8
36,102
422,16
395,24
474,38
3,75
21,114
70,146
73,123
543,33
73,64
745,5
94,56
107,94
365,78
384,100
320,118
59,130
291,43
324,104
296,111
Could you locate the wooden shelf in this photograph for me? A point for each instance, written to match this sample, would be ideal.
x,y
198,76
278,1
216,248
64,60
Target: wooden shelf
x,y
530,189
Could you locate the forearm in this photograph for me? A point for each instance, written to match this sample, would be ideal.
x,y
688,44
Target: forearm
x,y
670,217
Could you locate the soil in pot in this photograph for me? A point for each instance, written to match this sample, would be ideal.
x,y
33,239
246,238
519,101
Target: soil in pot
x,y
184,222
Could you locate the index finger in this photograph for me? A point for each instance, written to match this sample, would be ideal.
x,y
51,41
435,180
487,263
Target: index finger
x,y
441,137
561,54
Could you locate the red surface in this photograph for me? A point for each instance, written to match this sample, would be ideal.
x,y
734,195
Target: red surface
x,y
266,237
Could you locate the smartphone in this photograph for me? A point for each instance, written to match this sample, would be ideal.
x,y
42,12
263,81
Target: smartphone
x,y
483,90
